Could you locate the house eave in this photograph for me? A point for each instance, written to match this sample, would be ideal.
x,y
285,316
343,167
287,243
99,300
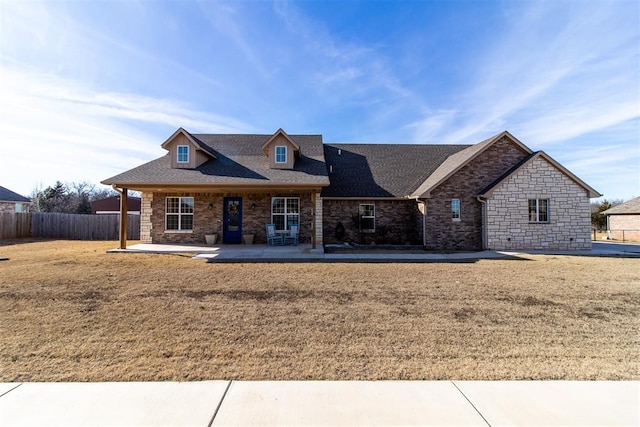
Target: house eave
x,y
219,188
366,198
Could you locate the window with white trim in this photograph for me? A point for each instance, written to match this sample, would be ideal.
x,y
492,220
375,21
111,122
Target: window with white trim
x,y
455,209
538,210
183,154
179,213
367,217
281,154
285,211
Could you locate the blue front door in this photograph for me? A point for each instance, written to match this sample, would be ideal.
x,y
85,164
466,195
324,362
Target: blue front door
x,y
232,232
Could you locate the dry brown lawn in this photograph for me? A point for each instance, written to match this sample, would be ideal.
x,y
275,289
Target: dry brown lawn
x,y
71,312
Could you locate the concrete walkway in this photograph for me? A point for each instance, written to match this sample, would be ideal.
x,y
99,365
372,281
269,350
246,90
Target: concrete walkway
x,y
336,403
304,253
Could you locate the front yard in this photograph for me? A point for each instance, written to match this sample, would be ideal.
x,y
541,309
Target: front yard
x,y
71,312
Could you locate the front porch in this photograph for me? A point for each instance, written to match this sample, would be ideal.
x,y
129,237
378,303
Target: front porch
x,y
231,216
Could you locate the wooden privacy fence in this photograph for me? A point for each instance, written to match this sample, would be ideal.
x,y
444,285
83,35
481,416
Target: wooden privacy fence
x,y
67,226
15,225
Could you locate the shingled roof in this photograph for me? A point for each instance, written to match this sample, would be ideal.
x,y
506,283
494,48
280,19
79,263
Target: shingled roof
x,y
239,161
7,195
632,207
382,170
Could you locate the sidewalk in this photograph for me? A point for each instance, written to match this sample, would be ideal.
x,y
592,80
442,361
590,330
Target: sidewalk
x,y
343,403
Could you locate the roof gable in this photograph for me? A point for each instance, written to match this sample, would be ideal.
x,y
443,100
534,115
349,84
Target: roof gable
x,y
198,145
632,207
274,137
458,160
7,195
487,192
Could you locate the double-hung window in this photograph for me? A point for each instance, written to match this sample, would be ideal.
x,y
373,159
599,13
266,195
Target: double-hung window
x,y
179,213
285,211
455,209
538,210
281,154
367,217
183,154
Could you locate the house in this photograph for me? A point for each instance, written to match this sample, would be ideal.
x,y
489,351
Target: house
x,y
13,202
496,194
623,221
111,205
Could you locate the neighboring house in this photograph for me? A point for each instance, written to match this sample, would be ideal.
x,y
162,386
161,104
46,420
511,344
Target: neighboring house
x,y
13,202
496,194
111,205
623,221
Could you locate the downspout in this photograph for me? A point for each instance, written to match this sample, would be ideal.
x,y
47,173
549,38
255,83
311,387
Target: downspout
x,y
424,223
484,222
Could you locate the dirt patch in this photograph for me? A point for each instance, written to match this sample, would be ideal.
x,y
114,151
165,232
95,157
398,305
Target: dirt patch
x,y
71,312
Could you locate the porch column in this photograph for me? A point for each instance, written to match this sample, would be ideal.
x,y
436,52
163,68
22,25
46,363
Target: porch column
x,y
145,217
123,218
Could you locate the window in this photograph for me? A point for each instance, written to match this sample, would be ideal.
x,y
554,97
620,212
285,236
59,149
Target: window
x,y
285,211
19,207
179,213
455,209
281,154
538,210
367,216
183,154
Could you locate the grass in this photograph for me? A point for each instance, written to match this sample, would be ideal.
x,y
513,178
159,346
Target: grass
x,y
71,312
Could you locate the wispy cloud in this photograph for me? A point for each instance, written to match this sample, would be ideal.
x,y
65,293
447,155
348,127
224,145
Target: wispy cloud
x,y
560,70
340,64
78,132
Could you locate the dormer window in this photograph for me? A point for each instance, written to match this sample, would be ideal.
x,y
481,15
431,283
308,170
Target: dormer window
x,y
281,154
183,154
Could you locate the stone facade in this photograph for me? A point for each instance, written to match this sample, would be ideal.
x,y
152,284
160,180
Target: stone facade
x,y
508,225
445,233
208,215
146,212
395,222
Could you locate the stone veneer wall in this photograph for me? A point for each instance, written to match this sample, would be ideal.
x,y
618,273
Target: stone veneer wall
x,y
624,227
569,225
10,207
442,232
395,222
256,212
145,217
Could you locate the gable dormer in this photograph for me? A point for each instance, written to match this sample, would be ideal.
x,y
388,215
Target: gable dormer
x,y
186,151
281,150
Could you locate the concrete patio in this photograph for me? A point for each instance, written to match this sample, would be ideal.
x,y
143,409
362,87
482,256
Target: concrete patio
x,y
336,403
305,253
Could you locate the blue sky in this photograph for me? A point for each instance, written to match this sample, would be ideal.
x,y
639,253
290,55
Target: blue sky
x,y
89,89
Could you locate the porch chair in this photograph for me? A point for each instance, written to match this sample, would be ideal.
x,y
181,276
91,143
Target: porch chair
x,y
292,235
273,238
